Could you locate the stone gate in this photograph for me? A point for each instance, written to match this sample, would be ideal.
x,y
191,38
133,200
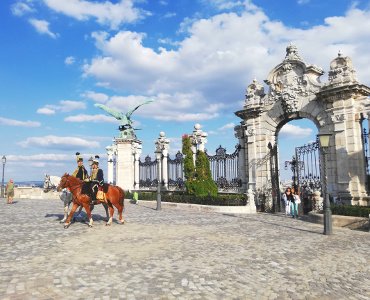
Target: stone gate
x,y
294,92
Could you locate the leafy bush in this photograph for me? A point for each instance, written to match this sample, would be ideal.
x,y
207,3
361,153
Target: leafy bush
x,y
350,210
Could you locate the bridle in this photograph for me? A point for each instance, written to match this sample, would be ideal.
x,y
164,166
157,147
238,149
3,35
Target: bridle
x,y
66,180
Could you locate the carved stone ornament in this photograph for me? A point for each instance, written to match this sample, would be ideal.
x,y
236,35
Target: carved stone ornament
x,y
238,130
255,91
292,80
338,118
249,132
341,71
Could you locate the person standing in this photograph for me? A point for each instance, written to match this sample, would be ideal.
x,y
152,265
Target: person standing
x,y
296,202
80,171
96,178
10,191
288,198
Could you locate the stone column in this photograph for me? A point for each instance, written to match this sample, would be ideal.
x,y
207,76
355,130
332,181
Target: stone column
x,y
110,170
162,146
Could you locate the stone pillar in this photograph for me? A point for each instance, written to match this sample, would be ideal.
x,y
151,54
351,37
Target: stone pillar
x,y
125,167
110,170
162,146
136,151
239,134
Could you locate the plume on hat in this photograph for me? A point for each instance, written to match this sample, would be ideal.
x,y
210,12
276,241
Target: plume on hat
x,y
78,157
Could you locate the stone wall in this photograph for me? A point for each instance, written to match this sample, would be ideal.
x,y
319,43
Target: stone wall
x,y
34,193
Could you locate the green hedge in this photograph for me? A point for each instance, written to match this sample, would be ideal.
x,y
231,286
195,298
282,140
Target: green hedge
x,y
350,210
176,197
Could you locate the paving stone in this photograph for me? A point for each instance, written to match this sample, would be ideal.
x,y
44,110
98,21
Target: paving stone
x,y
176,254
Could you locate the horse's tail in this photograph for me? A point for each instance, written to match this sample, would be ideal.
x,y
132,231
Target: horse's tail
x,y
121,197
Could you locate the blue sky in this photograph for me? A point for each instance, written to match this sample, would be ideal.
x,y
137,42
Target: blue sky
x,y
194,58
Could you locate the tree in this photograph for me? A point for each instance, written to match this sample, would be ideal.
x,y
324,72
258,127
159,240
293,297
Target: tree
x,y
199,180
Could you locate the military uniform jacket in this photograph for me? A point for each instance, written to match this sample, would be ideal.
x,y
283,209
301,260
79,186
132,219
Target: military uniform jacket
x,y
97,175
80,173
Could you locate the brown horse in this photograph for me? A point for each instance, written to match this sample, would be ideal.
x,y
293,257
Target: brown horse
x,y
114,196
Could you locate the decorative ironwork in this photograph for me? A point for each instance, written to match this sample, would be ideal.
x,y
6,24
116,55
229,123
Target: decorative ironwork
x,y
148,173
308,174
224,168
175,168
274,172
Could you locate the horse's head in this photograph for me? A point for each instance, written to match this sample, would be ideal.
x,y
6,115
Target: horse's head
x,y
47,183
63,182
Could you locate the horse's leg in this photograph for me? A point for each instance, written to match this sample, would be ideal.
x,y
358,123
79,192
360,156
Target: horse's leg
x,y
120,216
106,211
66,206
68,221
86,206
111,212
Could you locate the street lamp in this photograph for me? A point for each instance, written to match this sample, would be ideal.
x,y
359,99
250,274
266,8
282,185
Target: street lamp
x,y
159,175
3,159
91,159
324,139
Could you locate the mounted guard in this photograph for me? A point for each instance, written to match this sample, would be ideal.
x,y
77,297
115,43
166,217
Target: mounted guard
x,y
80,171
97,181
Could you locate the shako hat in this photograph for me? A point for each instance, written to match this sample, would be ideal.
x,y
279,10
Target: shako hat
x,y
96,159
78,157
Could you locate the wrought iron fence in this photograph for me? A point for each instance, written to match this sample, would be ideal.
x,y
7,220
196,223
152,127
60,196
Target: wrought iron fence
x,y
224,169
148,173
176,179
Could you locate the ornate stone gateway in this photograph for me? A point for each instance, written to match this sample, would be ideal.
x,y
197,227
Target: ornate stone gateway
x,y
295,92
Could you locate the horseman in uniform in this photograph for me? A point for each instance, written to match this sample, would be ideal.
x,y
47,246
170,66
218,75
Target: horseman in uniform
x,y
80,171
96,178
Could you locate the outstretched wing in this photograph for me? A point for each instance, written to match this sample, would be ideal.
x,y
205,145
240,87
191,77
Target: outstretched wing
x,y
115,113
129,113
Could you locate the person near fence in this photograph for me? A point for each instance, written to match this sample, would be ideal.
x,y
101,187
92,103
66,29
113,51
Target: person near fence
x,y
9,189
80,171
294,204
97,179
287,197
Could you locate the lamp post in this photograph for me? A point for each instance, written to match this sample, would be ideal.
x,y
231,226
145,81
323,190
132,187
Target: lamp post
x,y
90,163
3,159
324,139
159,156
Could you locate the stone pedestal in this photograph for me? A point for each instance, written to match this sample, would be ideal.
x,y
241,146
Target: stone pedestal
x,y
125,166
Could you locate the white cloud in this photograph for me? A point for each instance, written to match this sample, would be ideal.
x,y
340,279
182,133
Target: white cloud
x,y
42,27
70,60
97,97
105,13
293,131
12,122
301,2
58,142
221,56
64,106
21,8
46,111
90,118
68,105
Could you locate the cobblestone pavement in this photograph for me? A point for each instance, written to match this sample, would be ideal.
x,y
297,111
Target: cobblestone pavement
x,y
176,254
